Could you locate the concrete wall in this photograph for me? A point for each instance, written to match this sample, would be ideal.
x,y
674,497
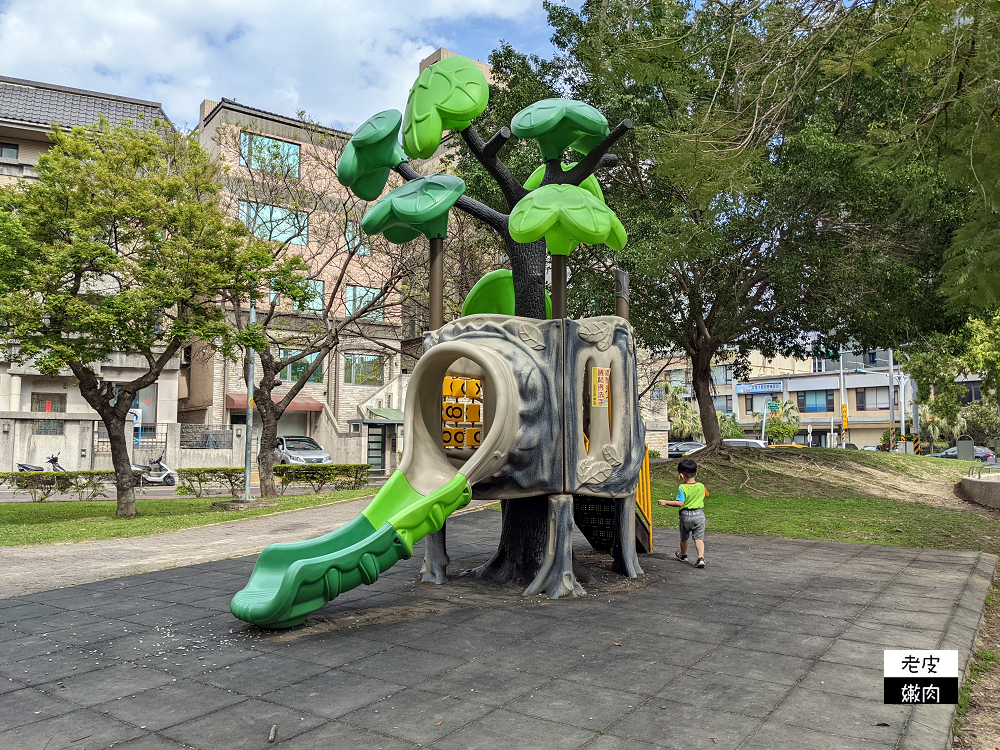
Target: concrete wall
x,y
985,491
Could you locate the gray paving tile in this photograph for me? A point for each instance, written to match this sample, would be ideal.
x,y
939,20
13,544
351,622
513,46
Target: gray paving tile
x,y
611,670
168,613
738,695
245,726
27,705
796,623
80,729
681,726
399,632
680,651
854,653
416,716
772,735
860,682
96,632
53,622
610,742
705,632
189,663
26,610
846,716
893,637
171,704
462,641
334,734
104,684
497,730
516,624
484,683
874,617
53,665
407,666
24,647
333,650
535,656
756,665
149,742
577,703
333,693
262,674
762,638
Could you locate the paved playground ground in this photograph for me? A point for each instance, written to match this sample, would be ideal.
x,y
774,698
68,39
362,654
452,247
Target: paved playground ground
x,y
777,644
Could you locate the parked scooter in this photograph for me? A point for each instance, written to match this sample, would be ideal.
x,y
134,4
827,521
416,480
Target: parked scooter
x,y
53,461
163,474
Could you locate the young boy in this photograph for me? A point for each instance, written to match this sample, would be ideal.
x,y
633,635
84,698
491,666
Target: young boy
x,y
691,500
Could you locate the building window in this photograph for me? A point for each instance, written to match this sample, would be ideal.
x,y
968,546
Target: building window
x,y
356,298
294,371
658,394
814,401
363,369
723,404
269,154
275,223
48,402
872,358
274,297
9,151
748,405
316,302
356,427
722,375
356,240
872,399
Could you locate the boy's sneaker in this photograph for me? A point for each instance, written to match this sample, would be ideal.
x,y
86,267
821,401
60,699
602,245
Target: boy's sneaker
x,y
700,563
679,556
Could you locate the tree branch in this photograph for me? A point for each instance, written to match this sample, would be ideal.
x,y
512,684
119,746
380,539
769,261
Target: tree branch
x,y
588,164
485,153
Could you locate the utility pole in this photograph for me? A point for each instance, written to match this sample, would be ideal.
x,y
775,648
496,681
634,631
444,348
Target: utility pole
x,y
892,404
843,404
248,456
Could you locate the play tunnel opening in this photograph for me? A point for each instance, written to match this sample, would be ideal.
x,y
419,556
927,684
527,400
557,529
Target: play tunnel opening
x,y
463,415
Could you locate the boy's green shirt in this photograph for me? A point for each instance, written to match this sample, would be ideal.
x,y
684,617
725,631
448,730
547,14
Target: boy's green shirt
x,y
692,495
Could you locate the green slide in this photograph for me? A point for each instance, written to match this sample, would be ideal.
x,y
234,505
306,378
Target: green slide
x,y
291,580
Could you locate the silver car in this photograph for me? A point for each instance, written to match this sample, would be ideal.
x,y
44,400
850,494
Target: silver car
x,y
296,449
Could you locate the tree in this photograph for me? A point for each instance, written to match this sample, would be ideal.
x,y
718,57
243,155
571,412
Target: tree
x,y
121,247
981,423
333,282
753,214
557,212
782,423
729,426
684,420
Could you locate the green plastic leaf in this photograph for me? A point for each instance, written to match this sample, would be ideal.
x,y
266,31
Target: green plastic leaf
x,y
369,156
418,207
558,124
591,185
493,294
448,95
565,215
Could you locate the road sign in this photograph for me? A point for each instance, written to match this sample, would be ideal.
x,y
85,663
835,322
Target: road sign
x,y
773,405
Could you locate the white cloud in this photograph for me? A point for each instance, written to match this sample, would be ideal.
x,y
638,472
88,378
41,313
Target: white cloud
x,y
341,61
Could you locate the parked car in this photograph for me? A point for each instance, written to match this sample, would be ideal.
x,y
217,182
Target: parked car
x,y
744,443
850,446
871,448
677,450
982,454
298,449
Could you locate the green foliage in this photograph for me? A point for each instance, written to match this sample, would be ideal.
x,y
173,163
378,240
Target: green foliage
x,y
41,485
367,159
684,419
448,95
729,426
418,207
782,424
654,454
565,215
981,423
338,476
558,124
212,481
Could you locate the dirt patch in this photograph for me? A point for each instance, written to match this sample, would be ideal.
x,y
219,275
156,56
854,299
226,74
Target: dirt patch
x,y
980,728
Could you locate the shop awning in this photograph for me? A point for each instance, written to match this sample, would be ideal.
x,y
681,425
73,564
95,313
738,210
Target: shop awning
x,y
238,402
380,416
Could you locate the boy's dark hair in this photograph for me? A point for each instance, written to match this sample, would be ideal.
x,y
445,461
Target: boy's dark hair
x,y
687,467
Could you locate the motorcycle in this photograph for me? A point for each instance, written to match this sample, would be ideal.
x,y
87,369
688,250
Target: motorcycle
x,y
163,475
53,461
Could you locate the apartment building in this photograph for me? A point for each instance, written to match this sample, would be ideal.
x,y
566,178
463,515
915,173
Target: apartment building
x,y
352,404
40,415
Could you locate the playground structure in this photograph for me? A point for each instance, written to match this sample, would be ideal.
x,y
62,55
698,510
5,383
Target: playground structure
x,y
499,406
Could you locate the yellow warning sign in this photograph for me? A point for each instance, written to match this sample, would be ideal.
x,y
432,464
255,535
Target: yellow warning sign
x,y
600,378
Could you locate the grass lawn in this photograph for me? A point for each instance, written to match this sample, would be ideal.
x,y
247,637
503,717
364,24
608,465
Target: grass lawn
x,y
53,522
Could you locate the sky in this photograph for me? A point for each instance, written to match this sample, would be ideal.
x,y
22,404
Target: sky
x,y
339,60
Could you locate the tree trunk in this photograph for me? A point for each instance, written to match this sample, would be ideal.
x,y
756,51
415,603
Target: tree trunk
x,y
268,442
701,377
122,465
524,525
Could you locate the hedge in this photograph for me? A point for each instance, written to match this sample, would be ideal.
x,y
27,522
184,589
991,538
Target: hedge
x,y
201,482
318,476
86,485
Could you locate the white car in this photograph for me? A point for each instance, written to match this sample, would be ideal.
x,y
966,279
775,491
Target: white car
x,y
295,449
744,443
869,447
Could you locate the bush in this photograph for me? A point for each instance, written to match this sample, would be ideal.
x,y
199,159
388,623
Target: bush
x,y
318,476
654,454
210,481
40,485
981,423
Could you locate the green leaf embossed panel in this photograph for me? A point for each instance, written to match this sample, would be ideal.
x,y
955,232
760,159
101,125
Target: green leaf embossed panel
x,y
418,207
565,215
448,95
558,124
369,156
591,185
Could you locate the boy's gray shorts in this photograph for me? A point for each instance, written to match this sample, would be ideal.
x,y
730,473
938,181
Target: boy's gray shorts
x,y
692,524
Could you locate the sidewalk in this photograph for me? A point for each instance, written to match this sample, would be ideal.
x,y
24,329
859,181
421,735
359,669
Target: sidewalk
x,y
51,566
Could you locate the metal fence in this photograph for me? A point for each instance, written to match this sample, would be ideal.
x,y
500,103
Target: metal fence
x,y
148,436
206,437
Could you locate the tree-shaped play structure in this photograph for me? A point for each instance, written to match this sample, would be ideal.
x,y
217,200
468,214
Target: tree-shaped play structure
x,y
559,207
